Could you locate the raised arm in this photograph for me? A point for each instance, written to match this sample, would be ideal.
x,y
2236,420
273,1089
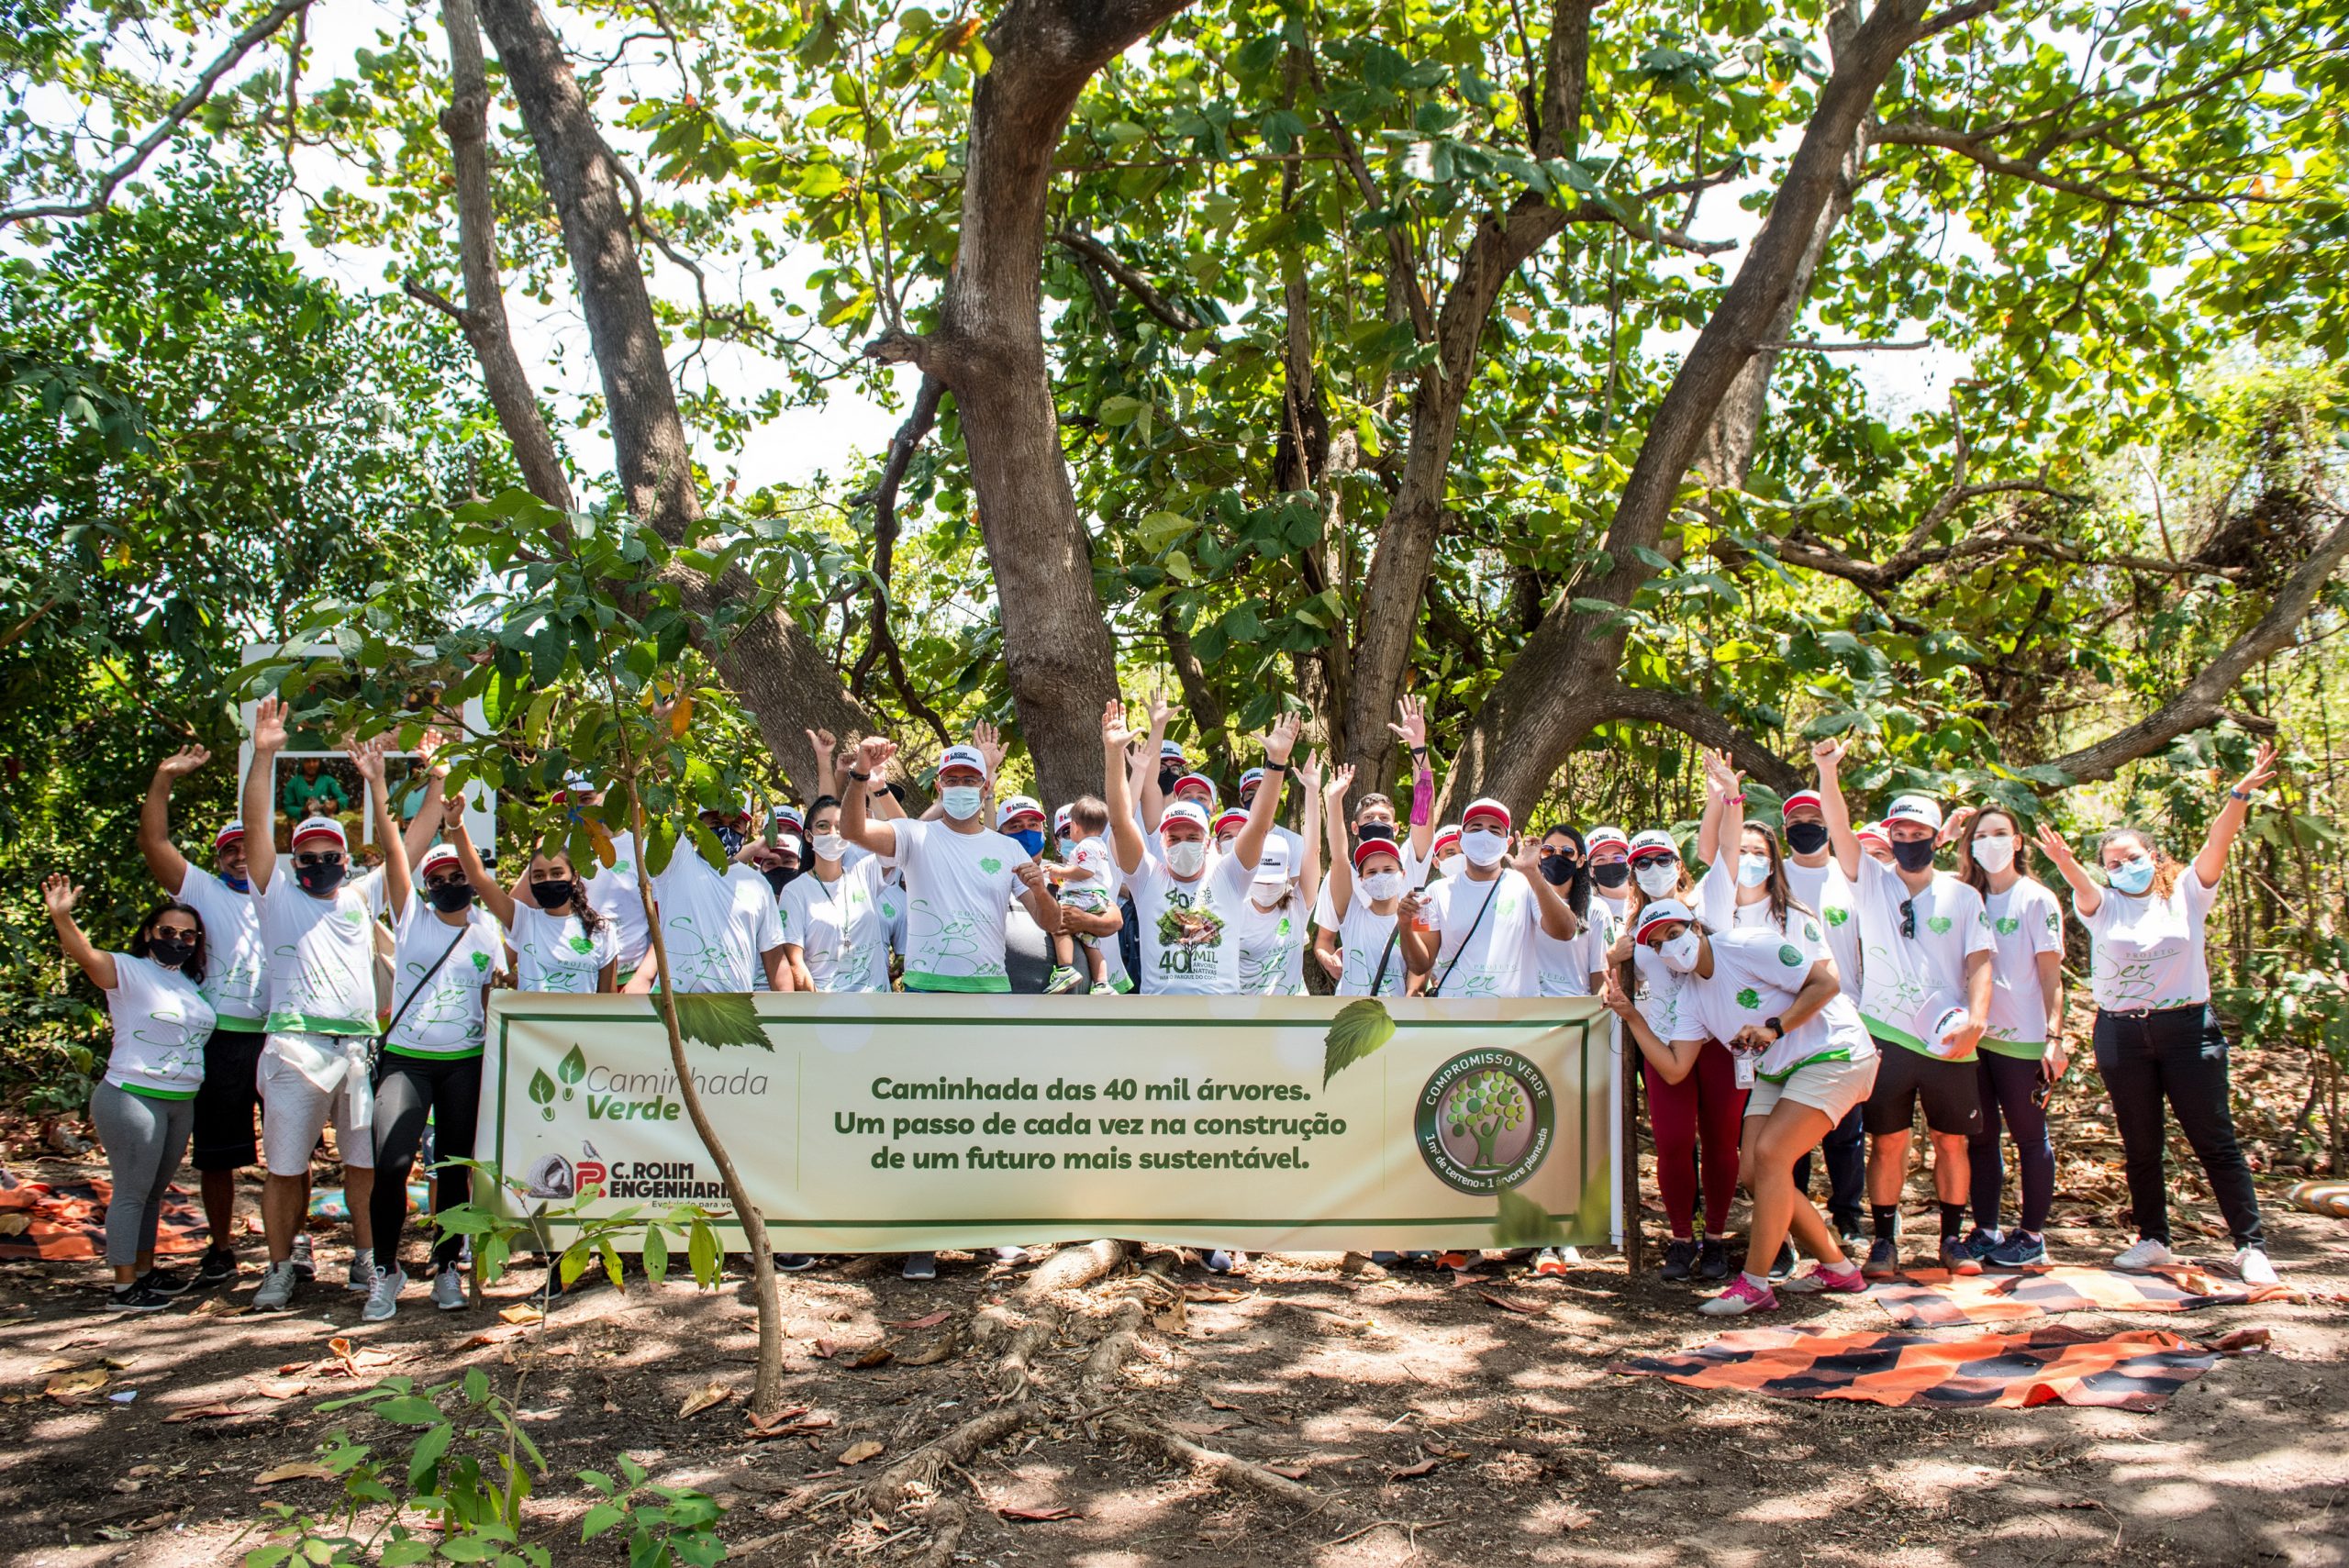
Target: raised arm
x,y
1148,795
2211,863
497,900
256,805
2087,897
163,858
1724,823
1413,732
1342,864
1308,789
60,896
1279,745
1125,837
430,814
399,885
881,837
1830,754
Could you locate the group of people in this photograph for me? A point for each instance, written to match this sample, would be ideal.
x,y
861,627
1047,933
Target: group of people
x,y
1806,985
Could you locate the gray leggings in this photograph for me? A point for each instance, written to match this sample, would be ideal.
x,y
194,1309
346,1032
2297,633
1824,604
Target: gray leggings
x,y
144,1138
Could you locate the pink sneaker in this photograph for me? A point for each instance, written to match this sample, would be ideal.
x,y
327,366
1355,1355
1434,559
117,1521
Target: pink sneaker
x,y
1741,1296
1846,1281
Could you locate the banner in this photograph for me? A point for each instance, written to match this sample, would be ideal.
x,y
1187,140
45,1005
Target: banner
x,y
903,1123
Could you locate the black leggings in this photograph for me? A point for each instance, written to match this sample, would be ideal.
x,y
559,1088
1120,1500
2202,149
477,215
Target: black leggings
x,y
407,1089
2007,1084
2178,1056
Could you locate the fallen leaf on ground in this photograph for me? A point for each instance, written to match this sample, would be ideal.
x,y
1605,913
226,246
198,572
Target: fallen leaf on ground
x,y
826,1349
1212,1292
293,1470
1176,1319
15,1224
522,1312
280,1387
930,1355
219,1306
1408,1471
1037,1515
288,1369
1288,1472
879,1356
774,1425
927,1321
1531,1308
489,1337
210,1413
67,1385
58,1363
705,1397
1216,1403
858,1452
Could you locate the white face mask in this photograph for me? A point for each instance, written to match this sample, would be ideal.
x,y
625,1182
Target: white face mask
x,y
1679,954
1382,885
1994,854
1657,877
828,846
1752,871
1483,848
961,801
1185,856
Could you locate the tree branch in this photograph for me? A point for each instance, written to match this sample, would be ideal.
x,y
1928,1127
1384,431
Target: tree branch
x,y
1680,711
1109,261
883,497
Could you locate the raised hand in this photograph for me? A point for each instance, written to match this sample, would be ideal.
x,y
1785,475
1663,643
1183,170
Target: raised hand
x,y
59,895
989,742
1161,710
429,747
1308,774
2262,768
367,756
182,763
2052,845
1955,825
1282,738
1116,733
1341,779
827,748
1413,729
1527,858
1030,875
1613,998
269,724
452,810
1828,755
873,751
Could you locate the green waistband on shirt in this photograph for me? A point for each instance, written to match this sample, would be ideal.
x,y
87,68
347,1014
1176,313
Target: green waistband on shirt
x,y
2023,1049
144,1093
304,1023
991,984
1884,1031
1841,1054
409,1051
235,1025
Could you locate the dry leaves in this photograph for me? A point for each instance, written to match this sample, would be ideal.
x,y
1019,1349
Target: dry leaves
x,y
489,1336
211,1412
858,1452
293,1470
702,1398
1216,1403
1174,1318
219,1306
280,1387
879,1356
785,1423
15,1223
1530,1309
522,1312
1409,1472
1036,1516
927,1320
1213,1292
72,1384
930,1355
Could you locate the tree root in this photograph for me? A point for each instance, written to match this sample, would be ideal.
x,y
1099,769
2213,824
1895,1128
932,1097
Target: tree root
x,y
1073,1268
954,1447
1116,1346
1225,1468
948,1520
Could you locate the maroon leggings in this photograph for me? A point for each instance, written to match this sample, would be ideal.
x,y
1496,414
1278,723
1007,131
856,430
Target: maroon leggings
x,y
1705,1111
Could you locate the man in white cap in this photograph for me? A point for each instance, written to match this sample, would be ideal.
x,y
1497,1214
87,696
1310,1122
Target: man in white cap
x,y
318,928
236,983
1474,936
1818,883
722,928
1925,987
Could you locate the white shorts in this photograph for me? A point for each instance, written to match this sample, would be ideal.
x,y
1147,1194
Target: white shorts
x,y
307,1081
1833,1087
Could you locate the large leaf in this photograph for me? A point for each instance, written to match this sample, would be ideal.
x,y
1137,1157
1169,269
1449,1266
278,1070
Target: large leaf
x,y
720,1018
1360,1028
1524,1223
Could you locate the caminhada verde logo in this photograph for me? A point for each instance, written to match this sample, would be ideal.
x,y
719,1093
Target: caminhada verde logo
x,y
1486,1120
571,1069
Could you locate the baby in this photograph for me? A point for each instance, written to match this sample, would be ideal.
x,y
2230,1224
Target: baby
x,y
1083,882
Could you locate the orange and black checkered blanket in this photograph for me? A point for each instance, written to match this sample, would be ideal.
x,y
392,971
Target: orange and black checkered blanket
x,y
69,1220
1931,1298
2135,1370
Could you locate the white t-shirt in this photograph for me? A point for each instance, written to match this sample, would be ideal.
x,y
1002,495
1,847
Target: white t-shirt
x,y
161,1020
441,1014
837,926
2025,921
321,955
1826,890
1361,939
554,953
611,891
2148,951
1564,968
1497,959
1188,947
1659,990
1757,973
235,981
959,889
1325,913
716,926
1271,944
1900,975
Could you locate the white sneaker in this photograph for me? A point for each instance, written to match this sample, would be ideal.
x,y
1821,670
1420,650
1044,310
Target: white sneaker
x,y
448,1289
277,1284
2252,1267
2147,1254
305,1263
383,1296
361,1278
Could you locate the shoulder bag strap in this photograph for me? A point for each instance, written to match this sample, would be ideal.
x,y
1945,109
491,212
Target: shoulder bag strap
x,y
1470,935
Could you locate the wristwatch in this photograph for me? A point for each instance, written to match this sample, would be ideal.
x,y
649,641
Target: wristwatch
x,y
1778,1030
857,776
1272,767
2239,794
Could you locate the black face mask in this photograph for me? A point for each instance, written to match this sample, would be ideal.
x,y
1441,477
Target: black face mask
x,y
731,838
1382,831
172,952
554,892
1806,837
319,877
449,896
1912,854
1166,777
779,876
1614,873
1557,870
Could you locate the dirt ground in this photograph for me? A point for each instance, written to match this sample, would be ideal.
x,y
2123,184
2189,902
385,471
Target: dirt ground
x,y
1335,1387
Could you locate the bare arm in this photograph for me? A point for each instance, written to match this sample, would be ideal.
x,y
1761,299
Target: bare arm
x,y
1249,846
255,803
163,858
1413,732
1673,1060
2211,863
1309,786
1125,837
881,837
2051,990
1342,864
494,898
1151,799
1036,894
1829,755
2087,896
1419,945
1556,915
795,956
399,885
60,896
1723,827
1326,953
430,814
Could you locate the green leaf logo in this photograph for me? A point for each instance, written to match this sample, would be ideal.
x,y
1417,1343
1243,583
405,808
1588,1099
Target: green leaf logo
x,y
1940,925
571,1069
990,865
582,944
1361,1026
1749,998
542,1091
1790,955
1837,917
481,963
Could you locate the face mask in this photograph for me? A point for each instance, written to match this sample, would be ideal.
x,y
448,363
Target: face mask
x,y
554,892
2133,875
1614,873
1382,885
1994,854
1679,954
828,846
1483,848
1752,871
450,897
779,877
1912,854
1806,837
732,839
172,952
1166,777
236,883
1185,856
1030,839
961,801
1659,877
1557,870
319,877
1448,864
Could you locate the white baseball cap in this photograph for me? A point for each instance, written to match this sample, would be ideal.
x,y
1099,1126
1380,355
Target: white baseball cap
x,y
321,828
1913,808
1170,748
1654,841
1184,811
964,757
1018,806
438,855
1486,807
1659,912
1272,864
1605,835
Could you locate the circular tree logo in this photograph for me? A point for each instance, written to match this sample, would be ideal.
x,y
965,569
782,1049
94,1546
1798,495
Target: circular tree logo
x,y
1486,1120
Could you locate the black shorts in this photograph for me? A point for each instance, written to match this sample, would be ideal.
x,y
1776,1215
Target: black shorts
x,y
227,1100
1904,1075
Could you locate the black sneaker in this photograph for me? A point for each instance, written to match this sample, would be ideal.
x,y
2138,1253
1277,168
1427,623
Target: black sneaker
x,y
217,1266
1884,1260
794,1262
1679,1259
1782,1265
136,1298
163,1282
1712,1260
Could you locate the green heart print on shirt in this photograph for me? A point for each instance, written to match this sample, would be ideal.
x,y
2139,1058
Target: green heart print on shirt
x,y
1940,925
1837,916
481,962
581,944
990,865
2007,925
1749,998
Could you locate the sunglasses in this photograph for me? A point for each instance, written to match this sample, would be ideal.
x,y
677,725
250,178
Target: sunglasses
x,y
317,857
453,879
1909,918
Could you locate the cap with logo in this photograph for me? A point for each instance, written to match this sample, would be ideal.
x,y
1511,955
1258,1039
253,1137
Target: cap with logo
x,y
1370,846
1060,821
1446,838
1170,750
1659,912
1017,806
1234,820
1867,831
1189,811
968,757
1271,865
1486,809
229,833
1654,841
787,813
1915,808
1599,836
1252,776
321,828
1800,799
438,855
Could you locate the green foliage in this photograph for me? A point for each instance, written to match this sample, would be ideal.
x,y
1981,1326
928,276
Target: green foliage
x,y
495,1229
1522,1222
1361,1026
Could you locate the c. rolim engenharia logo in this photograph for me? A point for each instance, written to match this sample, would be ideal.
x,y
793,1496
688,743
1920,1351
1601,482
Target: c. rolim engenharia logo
x,y
1486,1120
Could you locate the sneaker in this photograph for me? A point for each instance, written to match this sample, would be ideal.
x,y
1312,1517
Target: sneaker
x,y
1223,1260
1829,1279
277,1285
306,1265
1456,1262
2147,1254
1712,1260
794,1263
1679,1258
1981,1243
1884,1260
361,1280
1741,1296
163,1282
1012,1257
1386,1260
447,1289
1548,1263
1782,1265
919,1265
1063,980
217,1266
136,1298
383,1295
2019,1251
1121,985
1957,1258
2252,1267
